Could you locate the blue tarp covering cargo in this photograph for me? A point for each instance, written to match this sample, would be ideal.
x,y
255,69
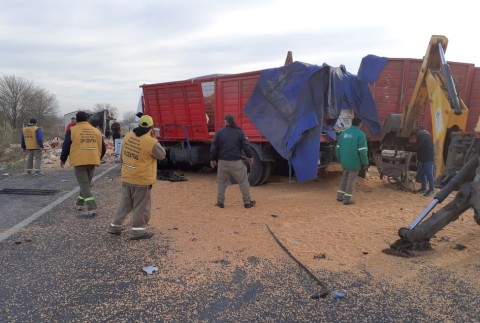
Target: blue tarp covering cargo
x,y
289,105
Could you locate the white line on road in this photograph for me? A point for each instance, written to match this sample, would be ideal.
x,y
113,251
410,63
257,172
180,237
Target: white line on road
x,y
7,233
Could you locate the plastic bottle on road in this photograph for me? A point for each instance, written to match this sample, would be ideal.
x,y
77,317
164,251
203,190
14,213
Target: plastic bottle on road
x,y
338,294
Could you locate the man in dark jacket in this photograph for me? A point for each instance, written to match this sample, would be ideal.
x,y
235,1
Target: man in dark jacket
x,y
425,157
352,153
226,153
116,131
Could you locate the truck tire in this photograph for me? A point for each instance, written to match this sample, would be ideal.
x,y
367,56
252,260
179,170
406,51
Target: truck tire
x,y
255,172
267,171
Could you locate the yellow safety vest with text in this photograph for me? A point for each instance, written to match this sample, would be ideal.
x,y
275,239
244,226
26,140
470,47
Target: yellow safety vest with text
x,y
30,135
139,167
86,146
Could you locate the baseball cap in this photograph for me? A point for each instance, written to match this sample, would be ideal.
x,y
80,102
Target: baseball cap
x,y
145,121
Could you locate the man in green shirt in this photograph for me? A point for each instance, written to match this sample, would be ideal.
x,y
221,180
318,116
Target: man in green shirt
x,y
352,153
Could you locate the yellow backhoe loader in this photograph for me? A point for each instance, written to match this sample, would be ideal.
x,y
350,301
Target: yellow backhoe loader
x,y
456,156
436,87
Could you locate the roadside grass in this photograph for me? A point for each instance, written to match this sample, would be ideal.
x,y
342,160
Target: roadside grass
x,y
11,154
12,158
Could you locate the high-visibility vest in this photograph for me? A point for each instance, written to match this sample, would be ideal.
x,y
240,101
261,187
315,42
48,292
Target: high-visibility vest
x,y
139,167
86,146
30,135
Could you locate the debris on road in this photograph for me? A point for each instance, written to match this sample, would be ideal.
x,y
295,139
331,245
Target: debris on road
x,y
149,270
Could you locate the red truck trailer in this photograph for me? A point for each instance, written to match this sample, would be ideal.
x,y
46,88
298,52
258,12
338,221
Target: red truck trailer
x,y
187,113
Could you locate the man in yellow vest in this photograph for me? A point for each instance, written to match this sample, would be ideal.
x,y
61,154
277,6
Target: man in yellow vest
x,y
85,146
32,142
140,151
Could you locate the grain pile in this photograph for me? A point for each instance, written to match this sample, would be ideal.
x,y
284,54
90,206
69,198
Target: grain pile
x,y
322,233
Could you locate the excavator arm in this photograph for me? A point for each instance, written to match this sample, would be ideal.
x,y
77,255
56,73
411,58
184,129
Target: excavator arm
x,y
417,236
435,85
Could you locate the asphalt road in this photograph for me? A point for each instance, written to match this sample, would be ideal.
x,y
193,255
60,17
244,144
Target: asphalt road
x,y
62,267
19,209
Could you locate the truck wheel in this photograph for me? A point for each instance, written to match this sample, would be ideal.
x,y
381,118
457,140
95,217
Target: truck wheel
x,y
255,172
267,171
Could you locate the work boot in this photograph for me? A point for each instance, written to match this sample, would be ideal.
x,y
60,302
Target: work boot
x,y
90,213
429,193
348,202
249,204
79,207
144,235
115,229
220,205
340,199
421,191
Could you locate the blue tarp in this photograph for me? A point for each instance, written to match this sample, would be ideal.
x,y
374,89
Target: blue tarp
x,y
289,104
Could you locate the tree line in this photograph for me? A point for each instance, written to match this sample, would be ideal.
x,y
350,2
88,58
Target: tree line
x,y
21,100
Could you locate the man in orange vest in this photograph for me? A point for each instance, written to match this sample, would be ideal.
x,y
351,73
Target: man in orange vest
x,y
140,151
85,147
32,142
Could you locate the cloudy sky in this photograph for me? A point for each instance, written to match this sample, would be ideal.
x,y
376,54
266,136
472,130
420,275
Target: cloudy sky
x,y
101,51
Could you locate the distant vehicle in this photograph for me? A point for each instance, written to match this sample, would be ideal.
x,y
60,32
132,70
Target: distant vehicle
x,y
100,119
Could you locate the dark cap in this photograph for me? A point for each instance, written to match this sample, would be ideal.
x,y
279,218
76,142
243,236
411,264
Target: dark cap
x,y
230,119
33,121
81,116
356,121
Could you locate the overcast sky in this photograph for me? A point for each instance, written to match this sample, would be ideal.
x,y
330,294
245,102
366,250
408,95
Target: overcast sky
x,y
101,51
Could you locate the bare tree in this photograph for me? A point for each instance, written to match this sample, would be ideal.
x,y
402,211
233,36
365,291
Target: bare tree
x,y
3,119
21,99
112,110
15,94
128,118
44,106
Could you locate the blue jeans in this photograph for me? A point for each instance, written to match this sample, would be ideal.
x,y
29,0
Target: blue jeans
x,y
425,172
